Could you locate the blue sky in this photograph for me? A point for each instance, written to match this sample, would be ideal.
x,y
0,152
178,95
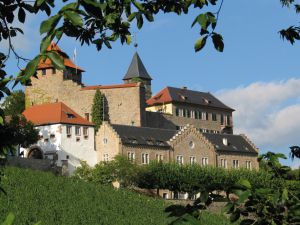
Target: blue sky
x,y
257,74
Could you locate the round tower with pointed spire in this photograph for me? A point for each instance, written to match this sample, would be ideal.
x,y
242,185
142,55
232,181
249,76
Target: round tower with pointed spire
x,y
138,73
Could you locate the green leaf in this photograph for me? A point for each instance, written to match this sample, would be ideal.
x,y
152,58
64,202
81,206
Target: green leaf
x,y
9,219
243,196
1,121
106,42
244,183
49,24
30,68
200,43
138,5
74,17
57,61
139,20
128,39
285,194
131,16
228,208
149,17
46,42
72,5
21,15
39,2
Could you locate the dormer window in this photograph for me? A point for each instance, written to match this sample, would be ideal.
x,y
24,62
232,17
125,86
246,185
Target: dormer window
x,y
70,115
183,97
206,101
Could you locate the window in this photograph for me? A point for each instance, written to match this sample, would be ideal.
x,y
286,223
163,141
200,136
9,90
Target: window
x,y
192,114
204,161
179,159
222,119
145,158
105,157
53,71
159,157
235,163
46,140
85,131
224,163
105,141
180,113
192,160
131,156
188,113
191,144
177,112
43,71
52,136
248,165
214,117
69,131
77,130
184,111
87,116
70,115
204,116
228,120
197,115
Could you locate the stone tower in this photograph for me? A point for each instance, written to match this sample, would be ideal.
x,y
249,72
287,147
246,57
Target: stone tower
x,y
46,87
138,73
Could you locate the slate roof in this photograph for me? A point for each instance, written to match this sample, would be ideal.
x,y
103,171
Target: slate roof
x,y
182,95
236,143
54,113
67,61
144,135
137,69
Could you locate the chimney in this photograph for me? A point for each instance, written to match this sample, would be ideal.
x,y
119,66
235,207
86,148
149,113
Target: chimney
x,y
225,141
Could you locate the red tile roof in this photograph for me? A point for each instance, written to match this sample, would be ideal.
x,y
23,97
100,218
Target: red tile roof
x,y
161,97
110,86
54,113
67,61
183,95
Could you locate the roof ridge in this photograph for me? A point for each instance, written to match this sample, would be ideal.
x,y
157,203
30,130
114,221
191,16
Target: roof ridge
x,y
153,128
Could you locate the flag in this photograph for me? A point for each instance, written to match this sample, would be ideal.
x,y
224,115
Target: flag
x,y
74,54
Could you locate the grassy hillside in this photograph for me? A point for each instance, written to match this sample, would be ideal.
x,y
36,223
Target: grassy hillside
x,y
38,196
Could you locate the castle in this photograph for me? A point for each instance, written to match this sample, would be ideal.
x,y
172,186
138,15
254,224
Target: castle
x,y
176,124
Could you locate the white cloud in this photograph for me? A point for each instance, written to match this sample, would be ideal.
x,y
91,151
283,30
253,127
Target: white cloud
x,y
269,113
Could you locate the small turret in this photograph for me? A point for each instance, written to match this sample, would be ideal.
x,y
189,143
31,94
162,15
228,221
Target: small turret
x,y
138,73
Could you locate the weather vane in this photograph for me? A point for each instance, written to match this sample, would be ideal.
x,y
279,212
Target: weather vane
x,y
135,41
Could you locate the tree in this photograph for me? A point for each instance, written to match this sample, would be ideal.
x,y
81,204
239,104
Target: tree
x,y
292,33
14,104
295,152
97,110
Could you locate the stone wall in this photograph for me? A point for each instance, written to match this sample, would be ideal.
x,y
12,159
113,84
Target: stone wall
x,y
171,121
36,164
190,143
107,142
152,151
241,157
125,104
